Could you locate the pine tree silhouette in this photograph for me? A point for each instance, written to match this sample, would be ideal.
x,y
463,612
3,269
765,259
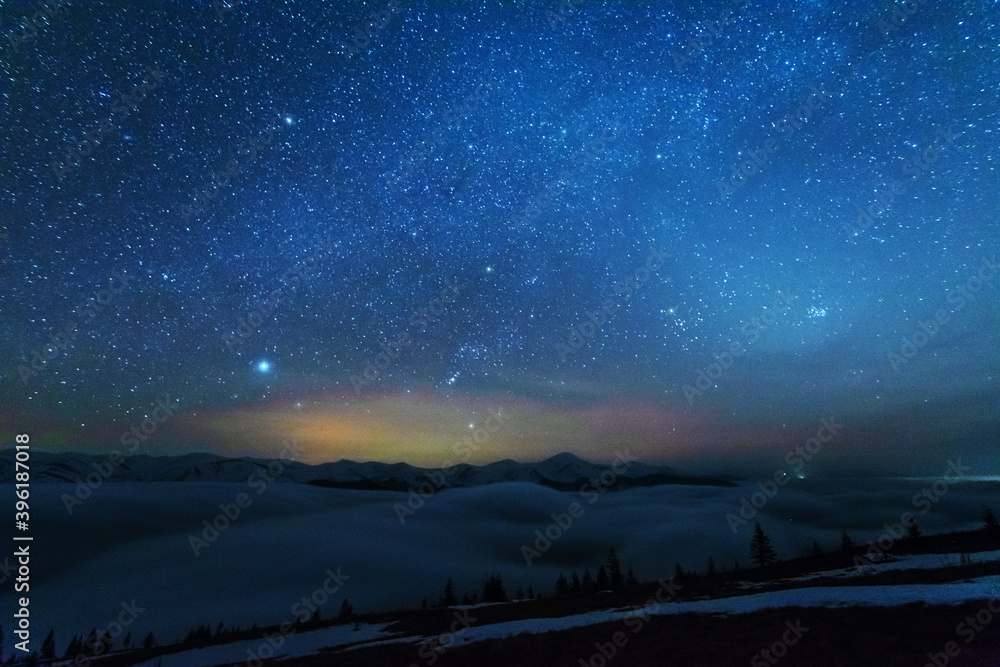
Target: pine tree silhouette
x,y
614,569
817,550
710,569
630,579
562,586
576,582
602,581
990,523
846,543
587,581
761,551
494,590
90,644
48,646
448,598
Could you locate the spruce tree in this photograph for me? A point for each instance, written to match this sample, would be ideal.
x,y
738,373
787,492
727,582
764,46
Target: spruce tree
x,y
150,641
846,543
576,582
48,646
494,590
587,581
562,586
630,579
602,578
710,570
90,644
448,598
614,569
761,551
990,523
74,648
346,611
817,550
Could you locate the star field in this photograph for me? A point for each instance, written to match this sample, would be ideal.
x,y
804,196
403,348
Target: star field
x,y
476,179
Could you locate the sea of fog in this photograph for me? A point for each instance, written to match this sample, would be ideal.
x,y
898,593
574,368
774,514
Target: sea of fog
x,y
132,542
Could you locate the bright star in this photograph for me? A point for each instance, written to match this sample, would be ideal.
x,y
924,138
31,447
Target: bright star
x,y
263,366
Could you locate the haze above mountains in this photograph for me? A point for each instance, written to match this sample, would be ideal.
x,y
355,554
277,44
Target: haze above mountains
x,y
562,472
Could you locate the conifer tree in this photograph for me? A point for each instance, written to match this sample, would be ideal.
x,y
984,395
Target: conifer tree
x,y
614,569
48,646
761,551
602,581
448,598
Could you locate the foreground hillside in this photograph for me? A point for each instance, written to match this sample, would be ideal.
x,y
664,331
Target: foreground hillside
x,y
912,608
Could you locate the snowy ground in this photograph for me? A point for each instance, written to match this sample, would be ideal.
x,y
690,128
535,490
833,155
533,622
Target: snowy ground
x,y
293,645
129,543
830,596
894,563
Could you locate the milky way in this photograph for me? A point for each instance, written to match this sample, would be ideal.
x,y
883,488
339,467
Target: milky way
x,y
745,213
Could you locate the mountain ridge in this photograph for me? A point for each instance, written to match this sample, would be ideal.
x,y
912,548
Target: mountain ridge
x,y
563,471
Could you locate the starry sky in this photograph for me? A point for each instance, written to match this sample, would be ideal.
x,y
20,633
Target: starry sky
x,y
694,230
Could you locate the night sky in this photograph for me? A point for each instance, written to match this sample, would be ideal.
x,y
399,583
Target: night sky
x,y
260,204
